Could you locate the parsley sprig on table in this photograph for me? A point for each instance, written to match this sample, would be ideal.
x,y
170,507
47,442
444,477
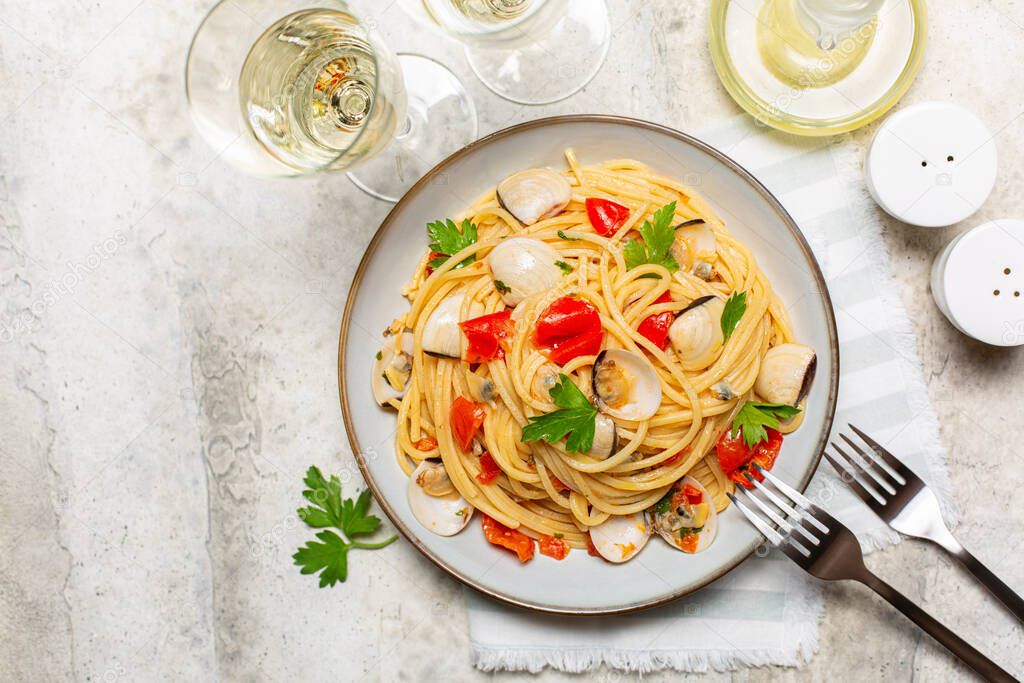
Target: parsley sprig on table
x,y
734,309
575,420
446,238
753,417
330,555
656,246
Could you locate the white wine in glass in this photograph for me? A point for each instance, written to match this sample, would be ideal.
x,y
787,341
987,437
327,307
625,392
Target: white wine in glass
x,y
314,89
527,51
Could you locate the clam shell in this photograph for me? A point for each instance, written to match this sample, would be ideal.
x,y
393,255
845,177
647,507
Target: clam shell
x,y
619,538
534,194
710,530
443,515
382,389
441,333
525,266
696,333
642,385
786,373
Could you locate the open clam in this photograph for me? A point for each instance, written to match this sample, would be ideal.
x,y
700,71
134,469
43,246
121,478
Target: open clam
x,y
524,267
686,517
626,385
606,439
695,248
434,501
441,333
620,537
696,333
786,373
534,195
392,368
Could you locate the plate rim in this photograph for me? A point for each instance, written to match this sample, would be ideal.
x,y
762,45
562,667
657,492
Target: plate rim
x,y
780,210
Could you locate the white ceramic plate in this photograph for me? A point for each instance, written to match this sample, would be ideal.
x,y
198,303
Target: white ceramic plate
x,y
579,584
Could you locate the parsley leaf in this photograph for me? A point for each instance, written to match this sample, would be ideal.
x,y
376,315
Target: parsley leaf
x,y
447,239
753,417
575,420
734,309
566,237
657,242
566,268
330,555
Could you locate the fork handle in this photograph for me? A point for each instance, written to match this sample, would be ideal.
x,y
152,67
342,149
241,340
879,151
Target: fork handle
x,y
1000,590
951,641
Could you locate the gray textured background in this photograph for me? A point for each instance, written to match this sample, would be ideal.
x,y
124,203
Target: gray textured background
x,y
167,365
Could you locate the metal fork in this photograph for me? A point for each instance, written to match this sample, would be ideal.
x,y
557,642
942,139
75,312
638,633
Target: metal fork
x,y
905,503
825,548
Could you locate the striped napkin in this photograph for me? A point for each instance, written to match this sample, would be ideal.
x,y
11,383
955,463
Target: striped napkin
x,y
767,610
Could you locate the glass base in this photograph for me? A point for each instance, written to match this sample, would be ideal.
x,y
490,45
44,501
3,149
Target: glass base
x,y
441,121
554,65
844,91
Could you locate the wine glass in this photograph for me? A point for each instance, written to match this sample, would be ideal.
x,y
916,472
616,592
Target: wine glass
x,y
527,51
294,87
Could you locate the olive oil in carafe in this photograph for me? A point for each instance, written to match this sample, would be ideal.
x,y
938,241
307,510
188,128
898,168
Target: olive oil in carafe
x,y
805,55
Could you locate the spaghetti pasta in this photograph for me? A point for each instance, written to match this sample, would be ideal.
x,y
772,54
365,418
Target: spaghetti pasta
x,y
540,488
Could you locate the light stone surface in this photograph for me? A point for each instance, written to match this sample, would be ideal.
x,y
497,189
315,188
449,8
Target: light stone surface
x,y
168,366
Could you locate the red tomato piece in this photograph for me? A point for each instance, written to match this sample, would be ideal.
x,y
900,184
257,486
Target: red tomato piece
x,y
466,418
570,327
693,494
678,457
558,484
553,547
735,457
430,257
591,550
500,535
688,543
605,215
655,327
489,469
426,444
488,336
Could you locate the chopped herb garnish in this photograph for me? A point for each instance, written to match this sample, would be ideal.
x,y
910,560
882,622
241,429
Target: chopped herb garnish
x,y
663,505
379,355
566,268
690,530
566,237
558,535
657,242
330,555
502,287
447,239
575,420
753,417
734,309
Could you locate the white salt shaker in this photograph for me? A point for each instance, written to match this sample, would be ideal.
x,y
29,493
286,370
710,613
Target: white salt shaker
x,y
978,282
931,164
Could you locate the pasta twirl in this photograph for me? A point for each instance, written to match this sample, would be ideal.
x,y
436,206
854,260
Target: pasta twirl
x,y
541,489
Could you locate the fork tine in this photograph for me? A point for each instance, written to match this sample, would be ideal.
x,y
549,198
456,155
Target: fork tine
x,y
865,471
848,476
786,510
769,533
793,495
891,460
784,488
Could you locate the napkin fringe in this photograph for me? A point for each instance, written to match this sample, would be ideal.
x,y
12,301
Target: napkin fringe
x,y
578,660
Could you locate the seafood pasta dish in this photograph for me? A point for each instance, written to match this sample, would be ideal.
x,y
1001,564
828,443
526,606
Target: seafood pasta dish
x,y
590,359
